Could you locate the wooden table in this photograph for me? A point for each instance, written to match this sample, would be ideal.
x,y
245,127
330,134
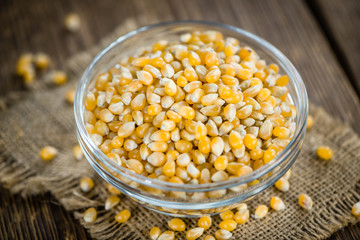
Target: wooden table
x,y
321,38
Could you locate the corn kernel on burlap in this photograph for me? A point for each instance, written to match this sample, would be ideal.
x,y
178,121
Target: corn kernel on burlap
x,y
41,116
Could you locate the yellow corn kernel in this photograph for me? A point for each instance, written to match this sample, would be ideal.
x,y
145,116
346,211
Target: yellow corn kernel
x,y
167,235
159,45
204,145
274,67
256,154
277,204
111,202
250,141
154,233
86,184
59,77
160,136
282,81
145,77
221,163
217,146
154,109
169,169
183,146
194,233
126,129
48,153
42,60
227,215
209,237
244,112
113,190
77,152
186,112
305,201
211,111
356,209
242,216
211,59
123,216
200,131
70,96
90,101
205,222
157,159
190,74
244,74
324,152
194,58
141,61
213,75
182,81
90,215
135,165
228,225
158,146
269,155
176,224
282,184
261,211
310,122
223,234
235,140
282,132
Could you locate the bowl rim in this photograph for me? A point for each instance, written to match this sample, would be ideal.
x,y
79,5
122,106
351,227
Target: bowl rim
x,y
288,67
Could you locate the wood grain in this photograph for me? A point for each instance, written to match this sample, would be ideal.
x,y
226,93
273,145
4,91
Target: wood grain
x,y
38,26
341,22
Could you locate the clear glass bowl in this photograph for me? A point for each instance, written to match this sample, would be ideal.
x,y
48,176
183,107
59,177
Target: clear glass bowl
x,y
189,199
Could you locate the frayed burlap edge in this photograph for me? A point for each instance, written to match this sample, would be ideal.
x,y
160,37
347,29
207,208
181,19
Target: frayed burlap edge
x,y
25,180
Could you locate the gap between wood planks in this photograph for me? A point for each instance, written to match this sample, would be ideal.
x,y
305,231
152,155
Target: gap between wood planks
x,y
340,56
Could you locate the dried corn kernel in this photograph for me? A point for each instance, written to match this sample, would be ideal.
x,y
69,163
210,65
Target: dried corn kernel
x,y
47,153
205,222
194,233
324,152
242,216
305,201
111,202
277,204
176,224
222,234
154,233
356,209
227,215
310,122
261,211
228,225
77,152
86,184
72,22
42,60
90,215
59,77
123,216
167,235
282,184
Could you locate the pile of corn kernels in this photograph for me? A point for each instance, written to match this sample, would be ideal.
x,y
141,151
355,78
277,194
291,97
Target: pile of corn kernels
x,y
201,110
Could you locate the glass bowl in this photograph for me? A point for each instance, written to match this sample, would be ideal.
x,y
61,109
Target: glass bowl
x,y
188,200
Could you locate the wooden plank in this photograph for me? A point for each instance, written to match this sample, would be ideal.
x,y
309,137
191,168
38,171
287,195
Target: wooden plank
x,y
341,23
38,27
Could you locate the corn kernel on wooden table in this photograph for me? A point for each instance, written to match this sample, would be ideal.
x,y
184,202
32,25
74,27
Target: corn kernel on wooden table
x,y
320,37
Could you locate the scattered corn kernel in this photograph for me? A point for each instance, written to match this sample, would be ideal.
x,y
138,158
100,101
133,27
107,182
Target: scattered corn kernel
x,y
59,77
167,235
356,209
194,233
90,215
222,234
70,96
305,201
228,225
227,215
111,202
72,22
209,237
176,224
310,122
48,153
205,222
324,152
154,233
77,152
242,216
282,184
261,211
123,216
42,60
86,184
277,204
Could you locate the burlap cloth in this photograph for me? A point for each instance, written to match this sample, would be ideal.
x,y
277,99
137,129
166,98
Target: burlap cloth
x,y
41,116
